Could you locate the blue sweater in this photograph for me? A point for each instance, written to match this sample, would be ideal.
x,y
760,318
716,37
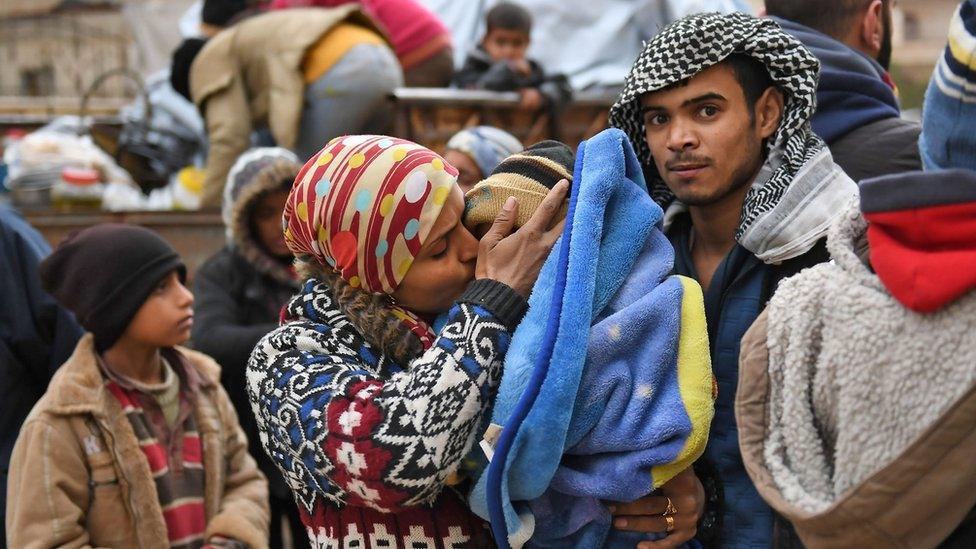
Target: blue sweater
x,y
948,139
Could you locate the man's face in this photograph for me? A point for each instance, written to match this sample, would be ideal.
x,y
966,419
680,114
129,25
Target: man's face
x,y
506,44
703,136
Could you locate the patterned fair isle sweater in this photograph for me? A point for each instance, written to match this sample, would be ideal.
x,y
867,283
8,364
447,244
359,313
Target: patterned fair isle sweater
x,y
366,444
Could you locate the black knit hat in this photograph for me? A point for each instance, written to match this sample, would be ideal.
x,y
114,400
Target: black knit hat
x,y
179,70
104,274
528,176
220,12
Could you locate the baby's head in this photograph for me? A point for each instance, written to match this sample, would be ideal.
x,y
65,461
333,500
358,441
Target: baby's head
x,y
508,28
528,176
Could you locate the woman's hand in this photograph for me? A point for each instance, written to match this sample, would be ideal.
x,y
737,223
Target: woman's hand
x,y
515,259
647,514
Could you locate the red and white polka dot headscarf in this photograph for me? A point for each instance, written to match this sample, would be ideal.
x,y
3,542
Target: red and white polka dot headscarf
x,y
364,205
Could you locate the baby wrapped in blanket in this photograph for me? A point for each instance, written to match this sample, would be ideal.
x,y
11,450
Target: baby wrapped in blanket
x,y
607,389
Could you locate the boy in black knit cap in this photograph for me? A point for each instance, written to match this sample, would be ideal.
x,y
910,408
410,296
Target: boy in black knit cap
x,y
135,442
528,176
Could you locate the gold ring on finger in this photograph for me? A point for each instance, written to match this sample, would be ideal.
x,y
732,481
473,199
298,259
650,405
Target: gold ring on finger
x,y
671,509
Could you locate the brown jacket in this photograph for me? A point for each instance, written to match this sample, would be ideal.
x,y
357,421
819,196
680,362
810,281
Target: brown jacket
x,y
914,501
79,479
250,76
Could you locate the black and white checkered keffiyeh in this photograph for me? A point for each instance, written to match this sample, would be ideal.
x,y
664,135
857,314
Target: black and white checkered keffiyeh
x,y
695,43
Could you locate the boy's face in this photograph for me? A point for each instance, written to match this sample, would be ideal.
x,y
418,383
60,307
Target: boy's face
x,y
266,223
505,44
165,318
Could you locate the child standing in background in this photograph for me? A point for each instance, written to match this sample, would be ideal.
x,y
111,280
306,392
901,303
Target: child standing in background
x,y
135,443
239,293
499,63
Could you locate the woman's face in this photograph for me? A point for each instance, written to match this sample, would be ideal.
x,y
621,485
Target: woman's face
x,y
445,265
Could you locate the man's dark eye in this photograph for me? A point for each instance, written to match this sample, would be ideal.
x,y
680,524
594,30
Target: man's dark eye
x,y
708,111
656,120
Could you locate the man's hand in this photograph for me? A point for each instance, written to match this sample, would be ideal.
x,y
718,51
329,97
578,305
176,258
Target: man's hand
x,y
647,514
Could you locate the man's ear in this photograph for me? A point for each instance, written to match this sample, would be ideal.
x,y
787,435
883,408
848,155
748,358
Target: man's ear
x,y
769,111
870,30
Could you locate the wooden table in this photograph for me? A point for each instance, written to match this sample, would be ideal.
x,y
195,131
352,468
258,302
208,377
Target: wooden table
x,y
195,235
430,116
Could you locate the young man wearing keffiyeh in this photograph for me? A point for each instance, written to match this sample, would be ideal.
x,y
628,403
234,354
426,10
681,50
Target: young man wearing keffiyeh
x,y
718,109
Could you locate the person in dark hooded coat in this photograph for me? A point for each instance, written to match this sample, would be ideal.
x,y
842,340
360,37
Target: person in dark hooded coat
x,y
240,291
858,113
36,334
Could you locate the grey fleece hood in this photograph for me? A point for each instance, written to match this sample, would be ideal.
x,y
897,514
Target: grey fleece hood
x,y
855,413
254,174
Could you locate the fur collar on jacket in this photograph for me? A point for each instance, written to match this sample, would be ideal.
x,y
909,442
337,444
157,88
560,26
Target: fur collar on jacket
x,y
255,174
78,386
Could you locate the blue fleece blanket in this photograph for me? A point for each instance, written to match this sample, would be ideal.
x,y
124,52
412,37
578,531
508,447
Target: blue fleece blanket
x,y
589,398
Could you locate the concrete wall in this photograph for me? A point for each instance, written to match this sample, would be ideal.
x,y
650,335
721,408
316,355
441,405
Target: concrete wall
x,y
66,51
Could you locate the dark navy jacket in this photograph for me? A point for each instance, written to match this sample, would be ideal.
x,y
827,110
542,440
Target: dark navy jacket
x,y
735,516
858,114
36,334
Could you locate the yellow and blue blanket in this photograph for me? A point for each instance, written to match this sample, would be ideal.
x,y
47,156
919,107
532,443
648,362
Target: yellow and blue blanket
x,y
607,387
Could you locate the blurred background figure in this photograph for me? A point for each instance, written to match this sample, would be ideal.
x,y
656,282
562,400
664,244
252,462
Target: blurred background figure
x,y
858,113
239,294
592,43
421,42
948,139
476,151
36,334
499,62
298,76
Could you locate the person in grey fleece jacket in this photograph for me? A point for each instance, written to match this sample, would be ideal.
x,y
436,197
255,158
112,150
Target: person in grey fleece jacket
x,y
857,387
